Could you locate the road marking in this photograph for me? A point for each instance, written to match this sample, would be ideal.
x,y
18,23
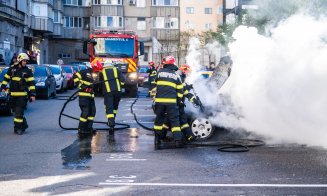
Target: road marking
x,y
120,179
129,114
125,159
219,185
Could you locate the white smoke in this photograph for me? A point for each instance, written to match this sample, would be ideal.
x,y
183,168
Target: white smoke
x,y
277,85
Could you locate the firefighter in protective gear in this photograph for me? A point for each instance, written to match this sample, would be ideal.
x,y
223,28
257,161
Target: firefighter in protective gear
x,y
183,71
168,97
112,82
85,81
22,89
152,71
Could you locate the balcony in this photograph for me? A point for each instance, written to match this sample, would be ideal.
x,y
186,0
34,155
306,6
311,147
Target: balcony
x,y
75,33
11,14
77,11
108,10
165,11
50,2
165,34
57,29
42,24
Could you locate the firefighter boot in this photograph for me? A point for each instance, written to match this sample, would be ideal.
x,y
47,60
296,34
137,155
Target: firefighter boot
x,y
25,125
157,141
111,135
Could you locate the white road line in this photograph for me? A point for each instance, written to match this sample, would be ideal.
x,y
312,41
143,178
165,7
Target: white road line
x,y
220,185
125,159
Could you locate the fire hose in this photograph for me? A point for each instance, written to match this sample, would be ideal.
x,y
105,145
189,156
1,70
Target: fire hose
x,y
72,98
239,145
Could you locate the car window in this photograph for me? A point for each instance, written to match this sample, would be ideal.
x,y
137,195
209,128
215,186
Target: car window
x,y
143,69
55,70
67,69
40,72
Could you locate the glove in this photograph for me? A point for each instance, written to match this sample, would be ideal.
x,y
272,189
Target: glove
x,y
196,102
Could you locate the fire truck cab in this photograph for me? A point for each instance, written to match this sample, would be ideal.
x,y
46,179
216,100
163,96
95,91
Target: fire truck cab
x,y
119,48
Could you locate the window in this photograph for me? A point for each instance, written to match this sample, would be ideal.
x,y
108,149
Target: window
x,y
97,2
65,56
109,2
86,24
140,3
120,21
141,24
73,2
37,11
165,2
208,26
190,10
73,22
159,22
109,21
97,21
56,17
208,10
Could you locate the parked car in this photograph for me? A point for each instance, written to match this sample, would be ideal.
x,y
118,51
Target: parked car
x,y
143,75
4,97
45,82
69,74
82,67
60,76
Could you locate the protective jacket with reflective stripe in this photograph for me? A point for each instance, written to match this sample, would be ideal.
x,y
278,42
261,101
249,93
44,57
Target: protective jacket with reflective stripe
x,y
152,74
113,79
21,81
84,80
169,86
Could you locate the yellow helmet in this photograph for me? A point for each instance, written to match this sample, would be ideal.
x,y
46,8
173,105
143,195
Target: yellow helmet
x,y
22,56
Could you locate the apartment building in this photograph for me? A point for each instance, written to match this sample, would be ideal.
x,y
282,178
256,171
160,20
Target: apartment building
x,y
200,16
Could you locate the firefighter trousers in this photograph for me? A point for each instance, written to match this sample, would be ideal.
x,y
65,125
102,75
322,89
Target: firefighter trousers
x,y
185,127
18,105
88,111
172,113
111,101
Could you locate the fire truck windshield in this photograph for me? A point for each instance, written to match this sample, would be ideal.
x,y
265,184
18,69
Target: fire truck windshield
x,y
114,47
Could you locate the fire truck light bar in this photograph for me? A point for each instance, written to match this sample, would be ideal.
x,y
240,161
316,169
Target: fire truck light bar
x,y
105,31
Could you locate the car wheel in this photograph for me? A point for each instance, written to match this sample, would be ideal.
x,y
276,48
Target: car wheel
x,y
202,128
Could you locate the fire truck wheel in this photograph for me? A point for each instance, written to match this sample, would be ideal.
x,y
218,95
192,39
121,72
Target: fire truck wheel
x,y
202,128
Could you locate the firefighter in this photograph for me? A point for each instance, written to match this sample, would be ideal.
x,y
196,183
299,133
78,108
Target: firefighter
x,y
152,71
168,97
85,81
183,71
22,89
112,81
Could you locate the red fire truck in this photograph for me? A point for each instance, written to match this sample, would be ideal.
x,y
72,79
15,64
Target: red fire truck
x,y
119,48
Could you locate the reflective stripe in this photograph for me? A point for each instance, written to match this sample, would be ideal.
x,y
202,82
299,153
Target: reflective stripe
x,y
189,138
110,115
86,82
115,73
159,128
16,79
165,126
82,119
165,100
191,100
186,92
118,84
122,83
106,80
76,79
180,86
153,82
18,93
165,83
7,76
117,81
31,87
115,111
90,118
85,94
180,95
4,83
30,79
78,75
184,126
18,120
174,129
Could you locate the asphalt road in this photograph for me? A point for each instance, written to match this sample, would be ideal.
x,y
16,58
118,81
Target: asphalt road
x,y
50,161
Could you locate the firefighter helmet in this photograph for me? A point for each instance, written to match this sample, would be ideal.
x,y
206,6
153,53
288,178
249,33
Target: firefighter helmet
x,y
151,63
96,66
22,56
168,60
185,68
